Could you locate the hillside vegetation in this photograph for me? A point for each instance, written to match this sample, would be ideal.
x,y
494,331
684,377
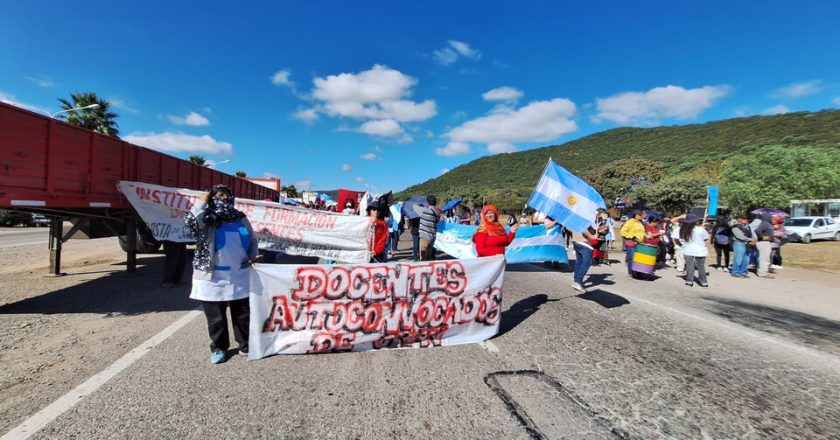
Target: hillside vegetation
x,y
650,164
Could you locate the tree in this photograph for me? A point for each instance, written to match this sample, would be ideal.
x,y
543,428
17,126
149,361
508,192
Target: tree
x,y
198,160
675,194
623,178
100,119
241,174
290,191
771,176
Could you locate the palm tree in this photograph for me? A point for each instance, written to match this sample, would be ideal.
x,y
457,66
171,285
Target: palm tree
x,y
100,119
198,160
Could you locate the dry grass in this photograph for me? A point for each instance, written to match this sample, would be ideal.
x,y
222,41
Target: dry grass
x,y
818,255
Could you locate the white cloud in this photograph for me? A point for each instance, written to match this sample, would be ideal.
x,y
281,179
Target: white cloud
x,y
836,101
502,94
346,167
370,156
308,115
538,121
453,149
385,128
40,81
303,184
797,90
444,171
359,179
282,78
120,104
648,108
453,50
775,110
10,99
192,119
378,96
180,142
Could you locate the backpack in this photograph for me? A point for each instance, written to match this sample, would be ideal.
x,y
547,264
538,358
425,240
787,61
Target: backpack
x,y
722,236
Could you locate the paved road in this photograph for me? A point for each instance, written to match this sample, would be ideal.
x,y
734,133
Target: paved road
x,y
628,359
23,237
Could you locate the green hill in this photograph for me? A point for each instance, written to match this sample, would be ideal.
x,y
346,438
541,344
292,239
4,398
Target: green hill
x,y
699,150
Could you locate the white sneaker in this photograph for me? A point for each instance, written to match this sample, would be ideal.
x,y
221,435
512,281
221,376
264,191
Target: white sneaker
x,y
578,287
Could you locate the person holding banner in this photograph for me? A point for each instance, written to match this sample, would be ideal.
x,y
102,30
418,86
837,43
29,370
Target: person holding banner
x,y
225,248
491,238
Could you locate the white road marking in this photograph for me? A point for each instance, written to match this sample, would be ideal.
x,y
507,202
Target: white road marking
x,y
489,346
40,419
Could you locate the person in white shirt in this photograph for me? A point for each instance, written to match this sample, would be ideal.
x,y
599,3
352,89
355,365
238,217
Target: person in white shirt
x,y
694,237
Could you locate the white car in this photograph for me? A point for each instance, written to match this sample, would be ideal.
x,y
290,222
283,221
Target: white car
x,y
814,228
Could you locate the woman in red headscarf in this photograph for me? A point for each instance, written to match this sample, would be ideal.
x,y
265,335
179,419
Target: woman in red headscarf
x,y
491,239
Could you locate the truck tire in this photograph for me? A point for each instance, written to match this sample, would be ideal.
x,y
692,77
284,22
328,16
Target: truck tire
x,y
143,246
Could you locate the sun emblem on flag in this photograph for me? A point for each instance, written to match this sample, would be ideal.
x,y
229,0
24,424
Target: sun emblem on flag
x,y
572,200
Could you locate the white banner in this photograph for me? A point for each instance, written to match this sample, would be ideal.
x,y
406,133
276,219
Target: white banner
x,y
289,229
328,308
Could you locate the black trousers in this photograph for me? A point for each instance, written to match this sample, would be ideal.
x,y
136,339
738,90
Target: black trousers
x,y
173,263
217,323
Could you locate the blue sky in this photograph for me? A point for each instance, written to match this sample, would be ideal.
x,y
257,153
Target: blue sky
x,y
389,94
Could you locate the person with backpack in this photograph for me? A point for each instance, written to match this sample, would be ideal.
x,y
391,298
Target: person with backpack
x,y
722,240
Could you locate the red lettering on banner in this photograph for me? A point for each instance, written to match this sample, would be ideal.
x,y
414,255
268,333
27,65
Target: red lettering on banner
x,y
312,282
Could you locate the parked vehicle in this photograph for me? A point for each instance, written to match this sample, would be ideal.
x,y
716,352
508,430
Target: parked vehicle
x,y
40,220
814,228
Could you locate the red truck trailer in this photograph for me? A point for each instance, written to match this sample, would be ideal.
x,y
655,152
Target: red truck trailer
x,y
70,174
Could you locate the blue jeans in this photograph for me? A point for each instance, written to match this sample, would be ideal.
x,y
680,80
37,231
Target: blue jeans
x,y
583,260
415,249
629,259
741,260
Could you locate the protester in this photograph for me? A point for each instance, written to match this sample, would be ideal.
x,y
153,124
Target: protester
x,y
414,230
742,237
693,237
584,252
633,233
722,239
396,228
667,243
490,238
679,256
225,248
764,231
466,217
380,232
653,237
175,255
349,208
780,236
610,236
429,217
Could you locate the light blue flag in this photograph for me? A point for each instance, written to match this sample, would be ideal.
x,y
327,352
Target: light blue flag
x,y
713,200
531,243
566,198
396,216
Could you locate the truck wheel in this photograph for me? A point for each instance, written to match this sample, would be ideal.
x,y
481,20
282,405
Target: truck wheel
x,y
806,239
144,246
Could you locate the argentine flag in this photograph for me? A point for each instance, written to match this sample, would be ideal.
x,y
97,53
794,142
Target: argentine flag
x,y
566,198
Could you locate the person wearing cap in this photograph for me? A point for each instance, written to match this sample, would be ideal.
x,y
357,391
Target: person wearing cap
x,y
348,208
633,232
224,250
694,237
380,232
742,236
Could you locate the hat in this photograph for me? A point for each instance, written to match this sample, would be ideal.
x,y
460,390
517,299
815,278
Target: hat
x,y
691,218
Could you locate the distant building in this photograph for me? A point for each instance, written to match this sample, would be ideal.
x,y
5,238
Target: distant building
x,y
815,207
268,182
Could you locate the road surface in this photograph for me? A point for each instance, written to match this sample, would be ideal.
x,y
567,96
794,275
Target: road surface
x,y
629,359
